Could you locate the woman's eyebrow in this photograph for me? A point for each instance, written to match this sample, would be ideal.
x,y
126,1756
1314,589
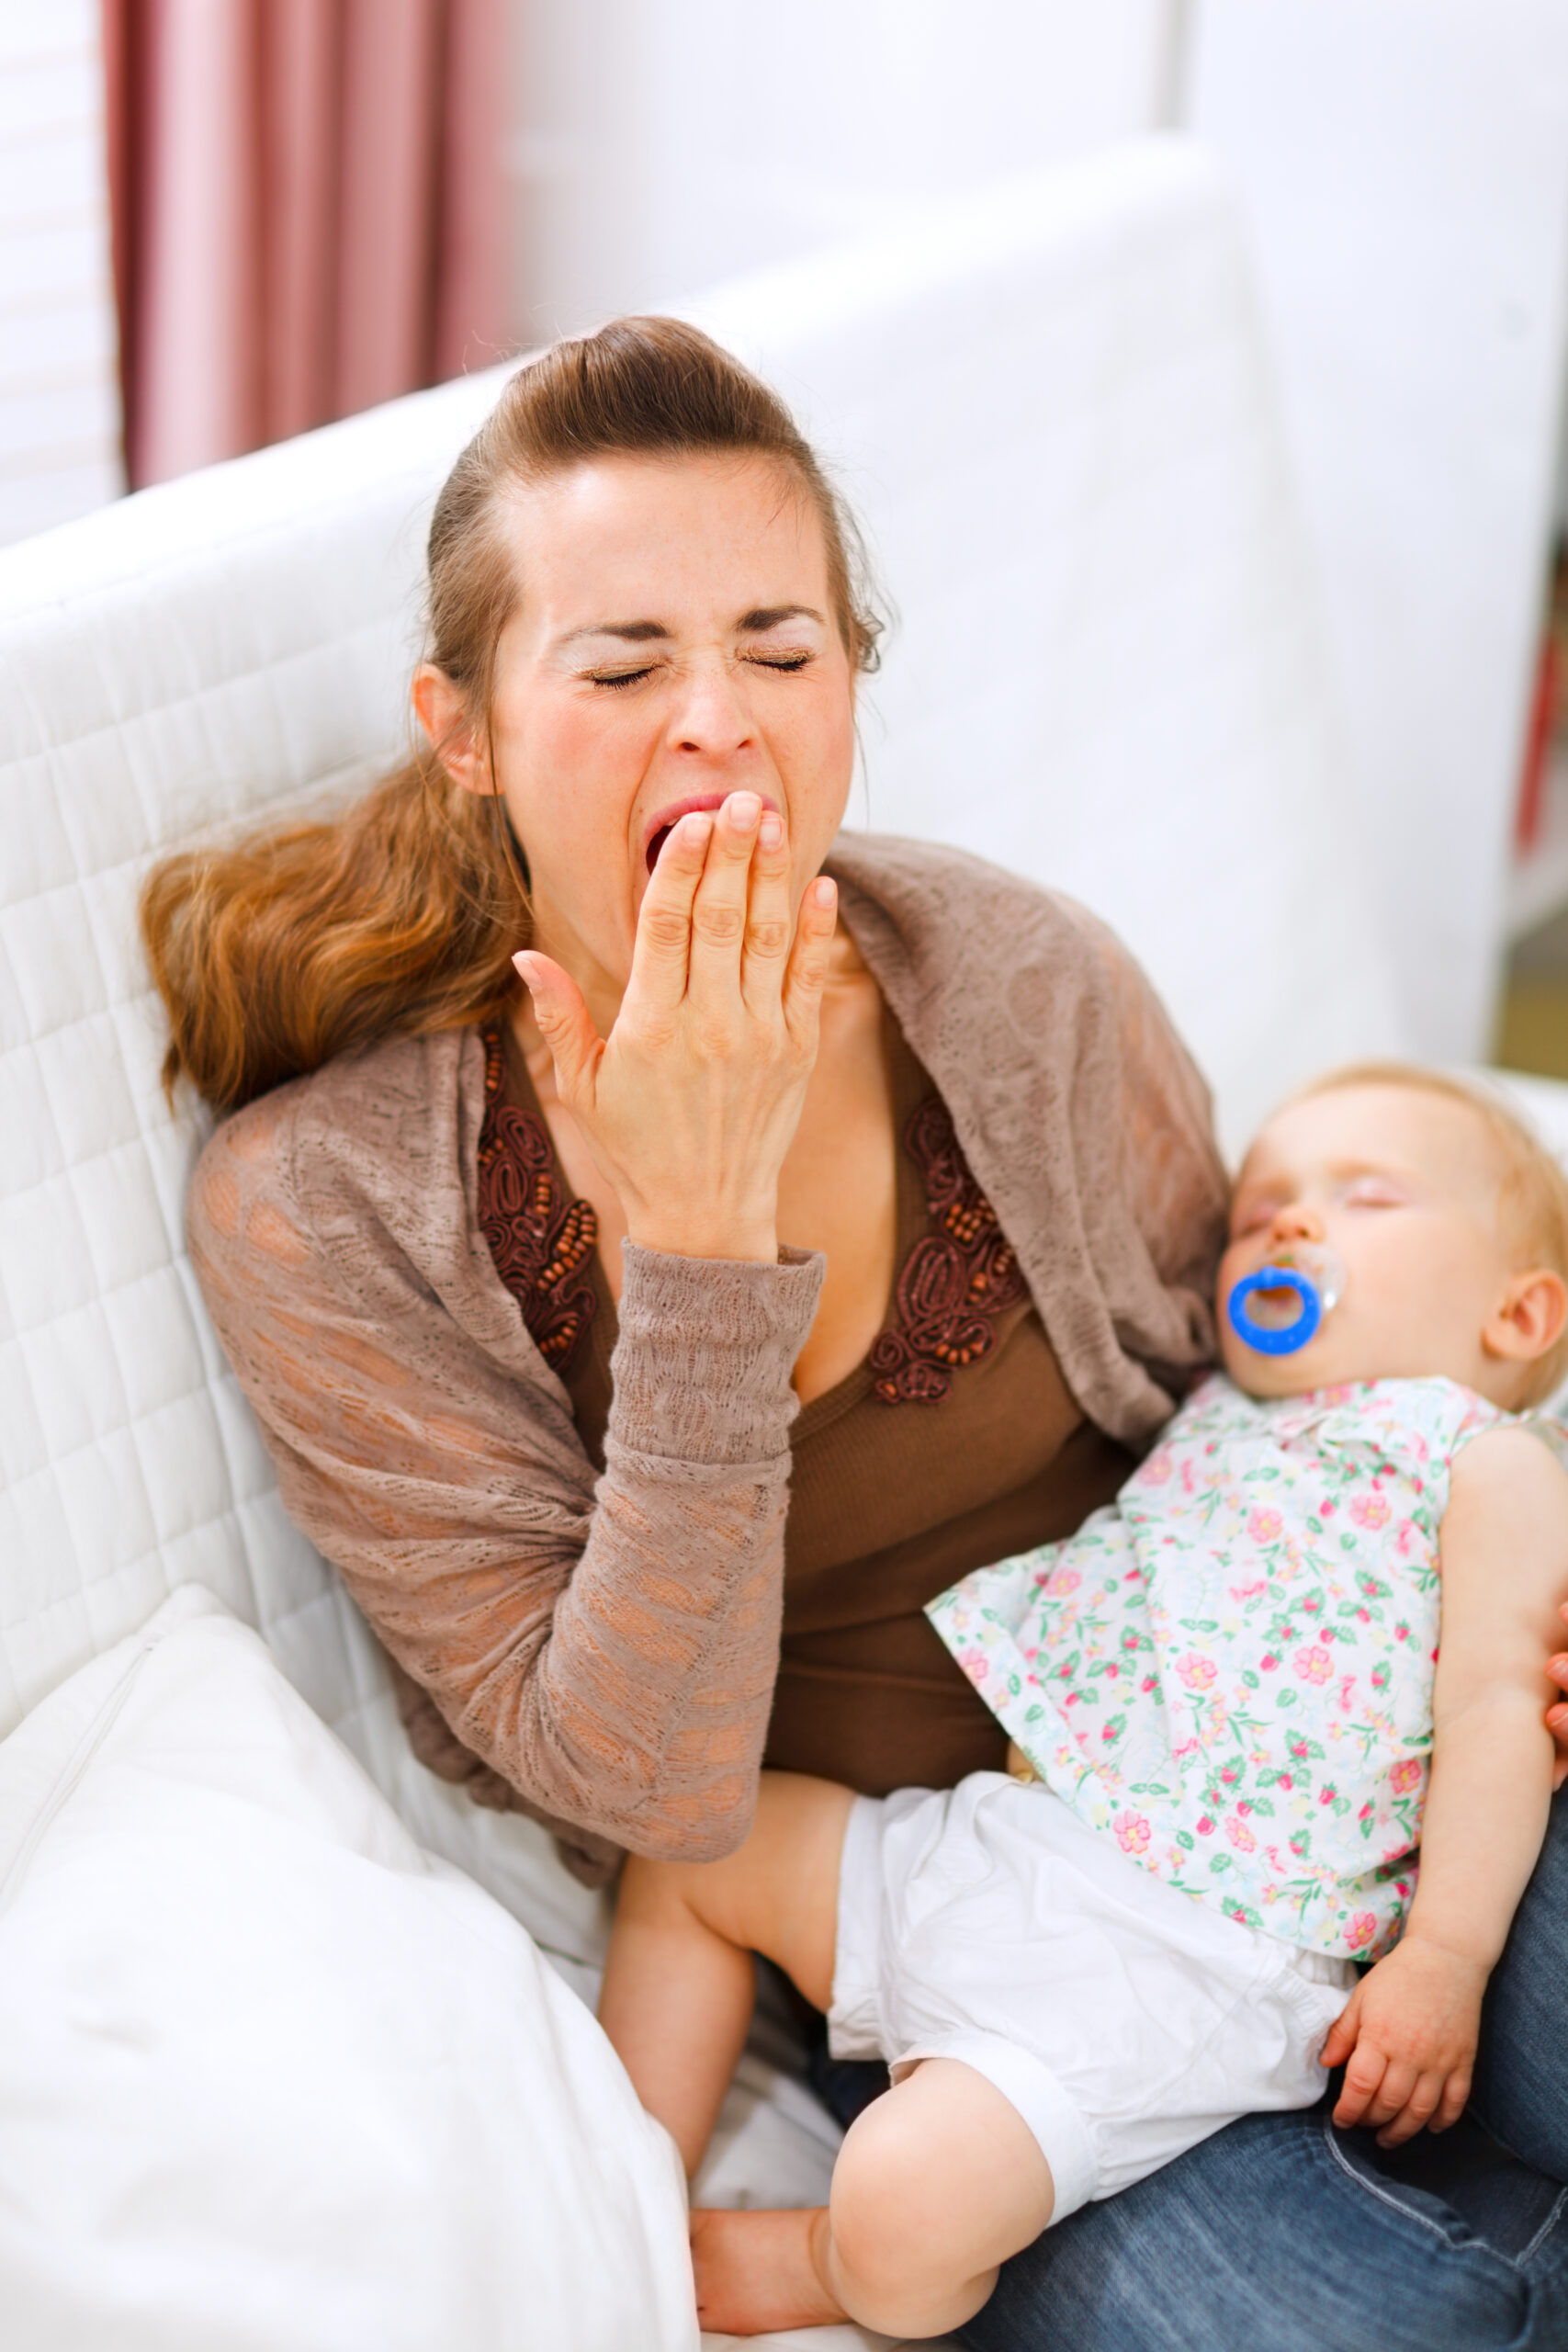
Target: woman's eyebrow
x,y
632,632
768,617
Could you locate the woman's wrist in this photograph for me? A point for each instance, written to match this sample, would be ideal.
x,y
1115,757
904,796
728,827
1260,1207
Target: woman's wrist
x,y
746,1242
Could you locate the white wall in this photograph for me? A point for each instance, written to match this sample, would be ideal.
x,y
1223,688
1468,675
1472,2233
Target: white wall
x,y
661,148
1404,168
59,390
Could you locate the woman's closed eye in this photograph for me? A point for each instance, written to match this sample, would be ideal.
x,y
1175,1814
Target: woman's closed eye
x,y
783,664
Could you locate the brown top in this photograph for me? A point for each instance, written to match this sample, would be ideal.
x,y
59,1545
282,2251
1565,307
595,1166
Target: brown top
x,y
884,1510
609,1647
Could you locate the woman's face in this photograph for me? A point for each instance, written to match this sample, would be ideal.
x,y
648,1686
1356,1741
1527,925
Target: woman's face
x,y
674,643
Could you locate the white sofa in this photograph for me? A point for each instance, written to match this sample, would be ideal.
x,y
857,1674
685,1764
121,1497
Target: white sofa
x,y
1051,404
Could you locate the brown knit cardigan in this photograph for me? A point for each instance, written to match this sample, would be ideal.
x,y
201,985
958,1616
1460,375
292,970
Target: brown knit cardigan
x,y
604,1654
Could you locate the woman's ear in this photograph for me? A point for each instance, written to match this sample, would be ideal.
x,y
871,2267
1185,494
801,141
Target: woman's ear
x,y
444,714
1530,1319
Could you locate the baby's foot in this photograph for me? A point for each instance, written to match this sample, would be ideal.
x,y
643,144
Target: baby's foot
x,y
755,2271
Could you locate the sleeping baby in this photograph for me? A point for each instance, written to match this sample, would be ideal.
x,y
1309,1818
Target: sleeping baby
x,y
1231,1728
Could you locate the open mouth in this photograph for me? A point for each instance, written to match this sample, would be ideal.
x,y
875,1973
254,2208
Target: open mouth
x,y
700,803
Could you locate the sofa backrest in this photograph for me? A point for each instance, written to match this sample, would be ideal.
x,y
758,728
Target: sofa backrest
x,y
1053,406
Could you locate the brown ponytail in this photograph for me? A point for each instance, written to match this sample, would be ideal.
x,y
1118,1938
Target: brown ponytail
x,y
403,914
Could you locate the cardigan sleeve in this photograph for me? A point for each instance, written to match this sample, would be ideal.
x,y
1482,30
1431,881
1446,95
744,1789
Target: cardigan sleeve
x,y
611,1658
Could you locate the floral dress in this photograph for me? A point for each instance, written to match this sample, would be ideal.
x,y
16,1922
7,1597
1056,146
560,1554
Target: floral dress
x,y
1229,1670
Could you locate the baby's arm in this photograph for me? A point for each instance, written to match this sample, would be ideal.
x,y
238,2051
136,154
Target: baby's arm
x,y
1410,2028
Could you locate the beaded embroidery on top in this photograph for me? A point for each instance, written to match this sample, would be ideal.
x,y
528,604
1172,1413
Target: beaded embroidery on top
x,y
957,1280
954,1283
541,1243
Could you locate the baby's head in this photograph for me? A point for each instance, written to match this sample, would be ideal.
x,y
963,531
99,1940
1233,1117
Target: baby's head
x,y
1450,1221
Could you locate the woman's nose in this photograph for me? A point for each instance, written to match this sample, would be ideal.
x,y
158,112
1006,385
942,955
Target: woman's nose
x,y
713,717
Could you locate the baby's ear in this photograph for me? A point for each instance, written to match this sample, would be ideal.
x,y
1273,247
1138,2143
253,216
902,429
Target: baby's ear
x,y
1530,1319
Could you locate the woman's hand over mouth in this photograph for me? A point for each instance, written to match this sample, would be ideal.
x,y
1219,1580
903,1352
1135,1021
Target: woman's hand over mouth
x,y
691,1102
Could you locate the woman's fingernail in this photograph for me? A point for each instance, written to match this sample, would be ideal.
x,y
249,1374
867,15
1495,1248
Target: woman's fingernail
x,y
697,825
770,832
1558,1666
743,809
523,965
824,891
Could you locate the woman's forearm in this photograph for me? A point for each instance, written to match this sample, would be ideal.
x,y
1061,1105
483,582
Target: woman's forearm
x,y
612,1656
646,1713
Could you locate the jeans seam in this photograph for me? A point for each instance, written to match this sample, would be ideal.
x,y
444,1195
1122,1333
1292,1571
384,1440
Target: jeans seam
x,y
1549,2223
1383,2197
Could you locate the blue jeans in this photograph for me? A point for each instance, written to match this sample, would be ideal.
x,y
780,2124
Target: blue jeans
x,y
1280,2234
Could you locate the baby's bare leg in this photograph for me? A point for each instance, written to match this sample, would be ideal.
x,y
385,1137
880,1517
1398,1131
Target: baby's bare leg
x,y
935,2186
678,1983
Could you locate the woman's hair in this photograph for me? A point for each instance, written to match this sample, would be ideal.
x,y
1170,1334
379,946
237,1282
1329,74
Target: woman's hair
x,y
403,914
1532,1185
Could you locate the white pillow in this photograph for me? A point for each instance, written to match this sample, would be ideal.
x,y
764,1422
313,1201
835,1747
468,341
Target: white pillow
x,y
272,2075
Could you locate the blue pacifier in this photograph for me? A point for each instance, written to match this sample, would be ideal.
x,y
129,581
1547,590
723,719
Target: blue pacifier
x,y
1281,1307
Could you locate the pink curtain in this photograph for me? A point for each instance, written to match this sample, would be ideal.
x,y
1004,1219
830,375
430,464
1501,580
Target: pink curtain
x,y
309,211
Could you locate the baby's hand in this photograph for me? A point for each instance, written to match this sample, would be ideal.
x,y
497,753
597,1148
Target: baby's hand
x,y
1409,2033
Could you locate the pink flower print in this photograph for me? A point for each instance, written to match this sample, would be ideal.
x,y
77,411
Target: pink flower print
x,y
1206,1826
1269,1662
1402,1632
1263,1526
1370,1511
1406,1538
1346,1684
1286,1781
1133,1832
1405,1775
1129,1639
1315,1665
1327,1794
1240,1836
1149,1682
1157,1468
1244,1592
1242,1805
1064,1580
1327,1506
1231,1775
1196,1670
1361,1930
1312,1603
